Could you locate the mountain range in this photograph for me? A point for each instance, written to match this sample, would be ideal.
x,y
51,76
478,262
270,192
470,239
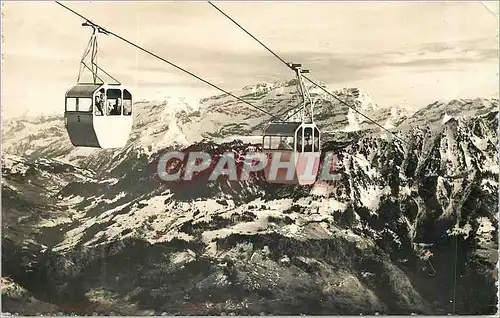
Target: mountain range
x,y
411,226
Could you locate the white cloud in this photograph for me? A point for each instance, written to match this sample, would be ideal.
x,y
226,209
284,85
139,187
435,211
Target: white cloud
x,y
44,43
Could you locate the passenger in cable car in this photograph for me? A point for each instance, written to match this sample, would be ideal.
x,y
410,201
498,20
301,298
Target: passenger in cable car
x,y
99,103
308,146
117,108
109,107
286,144
299,145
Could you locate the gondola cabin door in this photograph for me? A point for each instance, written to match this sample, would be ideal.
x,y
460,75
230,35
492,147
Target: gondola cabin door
x,y
308,153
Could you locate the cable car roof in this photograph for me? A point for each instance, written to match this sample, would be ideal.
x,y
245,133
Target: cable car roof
x,y
83,90
281,129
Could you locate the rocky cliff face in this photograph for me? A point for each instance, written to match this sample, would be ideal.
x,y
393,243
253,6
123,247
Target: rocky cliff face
x,y
411,227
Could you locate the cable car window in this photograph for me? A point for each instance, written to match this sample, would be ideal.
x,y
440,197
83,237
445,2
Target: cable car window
x,y
299,144
316,144
286,143
272,142
267,142
127,103
316,140
99,102
308,141
71,104
114,102
275,142
85,104
299,140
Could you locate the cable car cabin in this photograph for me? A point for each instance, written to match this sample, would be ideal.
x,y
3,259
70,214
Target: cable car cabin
x,y
298,143
98,115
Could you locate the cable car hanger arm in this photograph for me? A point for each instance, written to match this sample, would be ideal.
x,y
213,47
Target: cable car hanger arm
x,y
86,66
107,32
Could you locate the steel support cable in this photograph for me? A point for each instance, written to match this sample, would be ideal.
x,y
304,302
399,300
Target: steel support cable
x,y
289,65
164,60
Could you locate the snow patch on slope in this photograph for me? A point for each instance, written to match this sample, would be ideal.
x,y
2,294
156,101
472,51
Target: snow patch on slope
x,y
353,122
370,197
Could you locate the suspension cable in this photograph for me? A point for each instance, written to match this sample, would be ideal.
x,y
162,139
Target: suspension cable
x,y
289,65
164,60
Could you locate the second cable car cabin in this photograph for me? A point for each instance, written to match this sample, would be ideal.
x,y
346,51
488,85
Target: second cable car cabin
x,y
98,115
297,143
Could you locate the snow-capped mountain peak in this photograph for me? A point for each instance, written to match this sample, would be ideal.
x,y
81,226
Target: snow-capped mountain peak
x,y
446,118
110,236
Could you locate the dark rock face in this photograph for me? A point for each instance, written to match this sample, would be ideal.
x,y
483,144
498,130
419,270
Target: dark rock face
x,y
410,227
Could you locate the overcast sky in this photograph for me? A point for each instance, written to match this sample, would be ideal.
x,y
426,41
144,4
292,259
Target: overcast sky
x,y
404,53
